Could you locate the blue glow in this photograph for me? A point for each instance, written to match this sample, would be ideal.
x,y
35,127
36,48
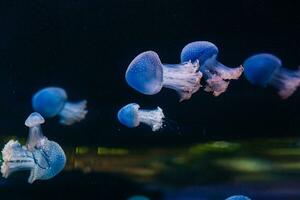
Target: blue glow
x,y
145,73
238,197
49,101
199,50
128,115
52,101
259,68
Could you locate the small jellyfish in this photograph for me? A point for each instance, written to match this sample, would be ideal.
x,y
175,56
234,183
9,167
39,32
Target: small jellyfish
x,y
52,101
148,75
44,158
216,74
266,69
238,197
131,116
138,197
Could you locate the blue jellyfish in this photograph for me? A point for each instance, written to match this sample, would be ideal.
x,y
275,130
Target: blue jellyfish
x,y
238,197
266,69
44,158
52,101
148,75
138,197
131,116
216,75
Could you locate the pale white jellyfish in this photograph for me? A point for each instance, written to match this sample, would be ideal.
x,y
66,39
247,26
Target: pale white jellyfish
x,y
42,157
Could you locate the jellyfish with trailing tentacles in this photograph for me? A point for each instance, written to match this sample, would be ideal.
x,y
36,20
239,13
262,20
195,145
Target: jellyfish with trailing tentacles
x,y
266,69
44,158
52,101
238,197
148,75
216,74
131,116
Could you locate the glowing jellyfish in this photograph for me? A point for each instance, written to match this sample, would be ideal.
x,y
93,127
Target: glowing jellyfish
x,y
131,116
148,75
52,101
238,197
138,197
44,158
266,69
216,74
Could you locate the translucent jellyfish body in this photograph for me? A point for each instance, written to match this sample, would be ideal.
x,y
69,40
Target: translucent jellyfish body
x,y
238,197
52,101
216,74
138,197
266,69
131,116
44,158
148,75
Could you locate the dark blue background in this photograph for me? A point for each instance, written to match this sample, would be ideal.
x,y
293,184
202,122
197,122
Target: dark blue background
x,y
86,46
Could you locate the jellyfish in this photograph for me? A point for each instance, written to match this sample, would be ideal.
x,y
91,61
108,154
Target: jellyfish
x,y
138,197
266,69
148,75
216,74
238,197
42,157
52,101
131,116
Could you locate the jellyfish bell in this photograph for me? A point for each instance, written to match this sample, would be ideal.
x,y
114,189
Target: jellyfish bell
x,y
49,101
131,116
145,73
216,74
238,197
52,101
128,115
199,50
266,69
42,157
148,75
260,67
34,119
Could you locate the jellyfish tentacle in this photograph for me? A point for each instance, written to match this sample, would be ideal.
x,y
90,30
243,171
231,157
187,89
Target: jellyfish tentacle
x,y
287,81
183,78
35,138
214,83
226,73
73,112
15,158
153,118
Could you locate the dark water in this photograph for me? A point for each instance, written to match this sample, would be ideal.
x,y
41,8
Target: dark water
x,y
245,141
